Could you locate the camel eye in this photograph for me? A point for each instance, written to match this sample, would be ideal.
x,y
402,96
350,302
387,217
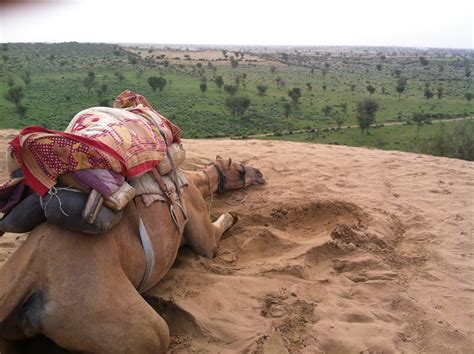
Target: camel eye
x,y
242,171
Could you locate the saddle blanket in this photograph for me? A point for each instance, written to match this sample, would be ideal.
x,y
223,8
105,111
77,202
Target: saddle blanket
x,y
128,139
147,187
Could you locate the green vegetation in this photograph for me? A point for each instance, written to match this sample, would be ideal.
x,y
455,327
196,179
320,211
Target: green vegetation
x,y
451,138
275,90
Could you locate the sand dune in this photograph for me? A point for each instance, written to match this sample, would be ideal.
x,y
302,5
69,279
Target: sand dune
x,y
344,250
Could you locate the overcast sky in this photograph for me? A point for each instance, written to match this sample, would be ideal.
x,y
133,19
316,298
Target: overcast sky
x,y
418,23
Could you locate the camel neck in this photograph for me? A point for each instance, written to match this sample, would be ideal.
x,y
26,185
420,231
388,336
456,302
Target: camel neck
x,y
207,180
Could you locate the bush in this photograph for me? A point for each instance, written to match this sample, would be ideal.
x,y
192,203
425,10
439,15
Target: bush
x,y
456,142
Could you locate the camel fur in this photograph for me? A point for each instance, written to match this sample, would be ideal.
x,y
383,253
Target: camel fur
x,y
78,291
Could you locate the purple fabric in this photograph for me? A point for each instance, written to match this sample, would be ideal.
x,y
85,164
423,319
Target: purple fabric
x,y
106,182
10,196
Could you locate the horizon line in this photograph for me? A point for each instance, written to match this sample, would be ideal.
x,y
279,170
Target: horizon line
x,y
247,45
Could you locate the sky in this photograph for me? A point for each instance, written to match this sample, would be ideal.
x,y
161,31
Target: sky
x,y
406,23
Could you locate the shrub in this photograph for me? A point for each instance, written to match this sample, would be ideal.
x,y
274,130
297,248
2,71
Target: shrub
x,y
456,141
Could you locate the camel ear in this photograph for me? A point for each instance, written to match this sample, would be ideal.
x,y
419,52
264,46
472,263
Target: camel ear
x,y
230,162
218,158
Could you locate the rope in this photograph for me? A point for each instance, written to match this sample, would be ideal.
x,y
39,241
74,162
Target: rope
x,y
53,192
238,202
210,192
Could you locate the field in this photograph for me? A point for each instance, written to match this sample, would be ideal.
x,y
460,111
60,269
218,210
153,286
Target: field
x,y
331,81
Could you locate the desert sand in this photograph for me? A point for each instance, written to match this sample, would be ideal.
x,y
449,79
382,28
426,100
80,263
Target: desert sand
x,y
344,250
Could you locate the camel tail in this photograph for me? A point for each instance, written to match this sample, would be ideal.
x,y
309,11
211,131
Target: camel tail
x,y
20,302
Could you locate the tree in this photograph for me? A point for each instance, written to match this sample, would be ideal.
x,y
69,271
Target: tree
x,y
15,94
262,89
233,62
295,94
89,81
353,87
379,67
467,68
428,93
326,110
366,110
139,73
401,86
324,87
419,118
237,81
370,89
343,106
340,119
309,86
157,83
237,105
101,91
10,82
273,69
203,87
26,77
132,60
280,82
423,61
439,92
219,81
231,89
21,110
287,108
469,96
397,72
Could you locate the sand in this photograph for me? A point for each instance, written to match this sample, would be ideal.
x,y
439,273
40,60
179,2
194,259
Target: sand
x,y
189,57
345,250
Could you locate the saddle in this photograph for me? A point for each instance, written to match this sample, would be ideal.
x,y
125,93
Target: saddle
x,y
79,179
92,201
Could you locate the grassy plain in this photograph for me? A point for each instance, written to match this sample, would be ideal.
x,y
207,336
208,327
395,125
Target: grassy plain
x,y
325,76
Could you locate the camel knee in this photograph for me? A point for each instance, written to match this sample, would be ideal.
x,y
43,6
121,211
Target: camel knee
x,y
162,335
153,338
206,248
209,252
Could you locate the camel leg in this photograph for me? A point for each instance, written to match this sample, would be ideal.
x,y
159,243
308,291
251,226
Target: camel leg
x,y
201,234
113,318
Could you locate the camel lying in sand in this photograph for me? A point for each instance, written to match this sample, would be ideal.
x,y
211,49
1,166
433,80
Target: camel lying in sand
x,y
79,291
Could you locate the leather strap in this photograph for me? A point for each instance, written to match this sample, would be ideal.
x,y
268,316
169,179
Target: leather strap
x,y
149,254
222,178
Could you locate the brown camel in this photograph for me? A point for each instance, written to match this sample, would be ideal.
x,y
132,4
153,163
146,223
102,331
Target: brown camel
x,y
78,292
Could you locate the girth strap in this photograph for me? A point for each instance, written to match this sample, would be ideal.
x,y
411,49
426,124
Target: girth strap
x,y
149,254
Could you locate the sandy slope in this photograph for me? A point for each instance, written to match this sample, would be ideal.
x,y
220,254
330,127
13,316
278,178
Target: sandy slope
x,y
344,250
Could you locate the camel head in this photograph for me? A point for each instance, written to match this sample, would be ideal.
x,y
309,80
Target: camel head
x,y
237,175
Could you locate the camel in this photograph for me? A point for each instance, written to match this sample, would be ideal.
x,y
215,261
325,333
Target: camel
x,y
77,292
